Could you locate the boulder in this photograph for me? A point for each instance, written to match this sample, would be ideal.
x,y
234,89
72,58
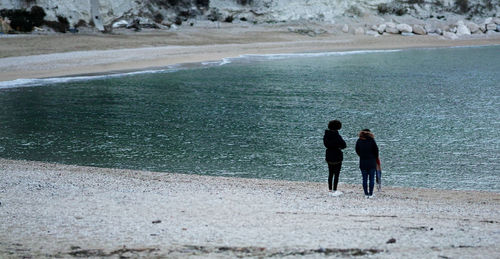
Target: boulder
x,y
402,27
391,28
491,26
450,35
496,20
462,29
430,28
419,29
473,28
488,20
498,27
439,31
372,33
482,28
381,28
374,27
345,28
359,31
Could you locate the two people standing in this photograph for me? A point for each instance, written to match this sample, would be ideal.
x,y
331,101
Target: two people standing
x,y
366,148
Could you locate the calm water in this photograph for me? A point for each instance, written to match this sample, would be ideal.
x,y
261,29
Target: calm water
x,y
435,114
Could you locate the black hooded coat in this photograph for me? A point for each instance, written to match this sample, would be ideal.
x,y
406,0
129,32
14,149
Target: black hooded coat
x,y
334,145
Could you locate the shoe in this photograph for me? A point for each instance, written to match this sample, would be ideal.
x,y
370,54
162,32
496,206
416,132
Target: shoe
x,y
366,196
335,193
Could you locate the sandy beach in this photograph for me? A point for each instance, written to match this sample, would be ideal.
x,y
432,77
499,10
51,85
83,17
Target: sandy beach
x,y
53,210
41,56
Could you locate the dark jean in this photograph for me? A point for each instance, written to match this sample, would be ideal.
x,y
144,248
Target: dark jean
x,y
333,170
365,174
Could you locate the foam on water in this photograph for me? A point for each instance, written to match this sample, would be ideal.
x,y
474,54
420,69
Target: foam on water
x,y
17,83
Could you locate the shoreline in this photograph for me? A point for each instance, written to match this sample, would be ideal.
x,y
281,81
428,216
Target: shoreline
x,y
52,210
145,51
351,185
22,82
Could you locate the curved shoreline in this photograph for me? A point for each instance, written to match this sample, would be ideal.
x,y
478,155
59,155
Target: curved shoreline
x,y
106,56
170,68
54,210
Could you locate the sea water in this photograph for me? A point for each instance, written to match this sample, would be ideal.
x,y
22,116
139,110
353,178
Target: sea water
x,y
435,114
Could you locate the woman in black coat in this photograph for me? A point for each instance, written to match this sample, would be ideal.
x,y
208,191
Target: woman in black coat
x,y
367,150
334,156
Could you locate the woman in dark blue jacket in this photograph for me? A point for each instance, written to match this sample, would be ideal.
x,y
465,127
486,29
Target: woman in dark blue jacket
x,y
334,156
367,150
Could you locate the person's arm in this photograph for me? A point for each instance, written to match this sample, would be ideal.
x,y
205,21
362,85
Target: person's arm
x,y
357,147
375,149
326,142
342,143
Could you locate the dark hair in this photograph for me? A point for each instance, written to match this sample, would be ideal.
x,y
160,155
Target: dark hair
x,y
366,130
334,125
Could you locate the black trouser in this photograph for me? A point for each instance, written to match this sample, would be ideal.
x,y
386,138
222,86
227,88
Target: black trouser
x,y
333,169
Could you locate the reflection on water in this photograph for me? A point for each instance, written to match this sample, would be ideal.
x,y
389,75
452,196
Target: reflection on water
x,y
434,112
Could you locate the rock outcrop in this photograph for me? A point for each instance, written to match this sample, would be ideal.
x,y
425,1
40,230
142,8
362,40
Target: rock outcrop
x,y
102,14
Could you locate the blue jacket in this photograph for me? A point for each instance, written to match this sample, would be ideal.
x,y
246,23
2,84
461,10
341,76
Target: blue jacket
x,y
367,150
333,143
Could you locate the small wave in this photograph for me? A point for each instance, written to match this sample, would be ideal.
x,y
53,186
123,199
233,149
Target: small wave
x,y
37,82
317,54
221,62
211,63
18,83
229,60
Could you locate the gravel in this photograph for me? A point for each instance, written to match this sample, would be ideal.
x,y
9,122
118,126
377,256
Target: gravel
x,y
59,210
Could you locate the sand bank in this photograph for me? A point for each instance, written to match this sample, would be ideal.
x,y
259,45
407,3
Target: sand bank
x,y
40,56
60,210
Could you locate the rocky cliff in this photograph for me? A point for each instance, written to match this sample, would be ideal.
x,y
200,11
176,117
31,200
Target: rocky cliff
x,y
102,14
